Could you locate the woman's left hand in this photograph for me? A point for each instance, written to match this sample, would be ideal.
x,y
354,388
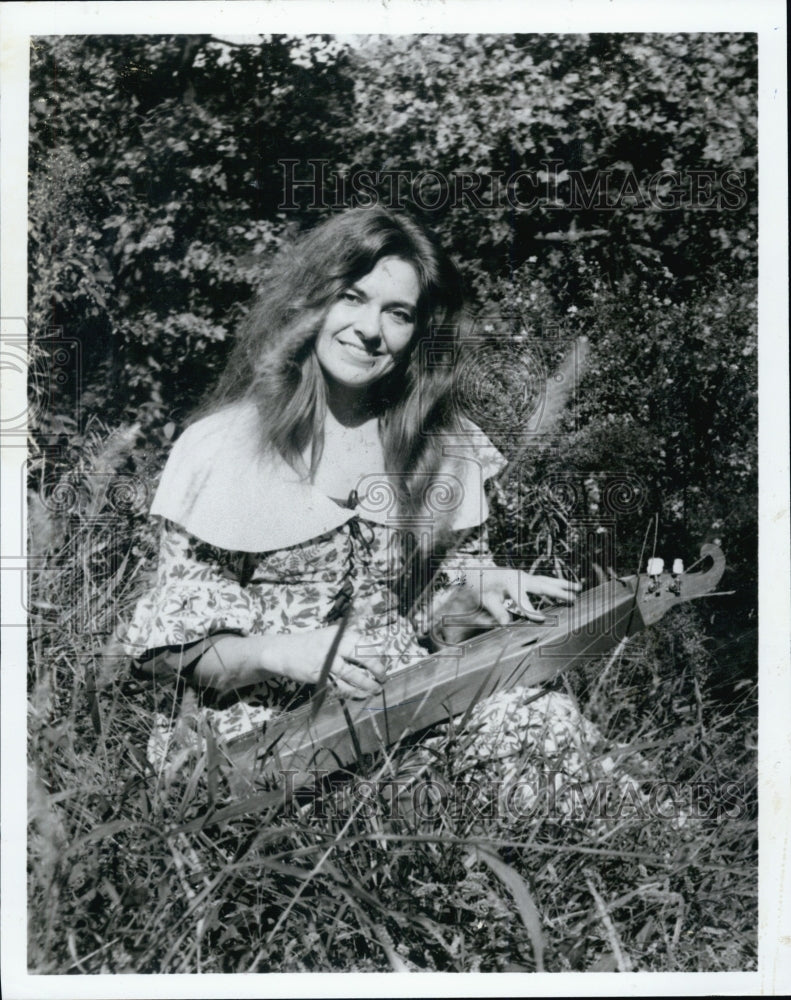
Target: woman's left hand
x,y
498,587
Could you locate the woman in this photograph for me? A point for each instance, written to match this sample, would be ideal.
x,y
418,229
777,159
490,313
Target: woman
x,y
331,478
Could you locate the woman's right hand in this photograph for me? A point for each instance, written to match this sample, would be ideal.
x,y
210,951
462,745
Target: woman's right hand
x,y
233,662
357,671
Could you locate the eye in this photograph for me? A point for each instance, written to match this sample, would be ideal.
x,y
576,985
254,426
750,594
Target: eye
x,y
401,315
349,296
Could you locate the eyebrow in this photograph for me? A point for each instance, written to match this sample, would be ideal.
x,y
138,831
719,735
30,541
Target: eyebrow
x,y
404,303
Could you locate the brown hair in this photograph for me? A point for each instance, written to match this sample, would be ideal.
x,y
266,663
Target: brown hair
x,y
273,361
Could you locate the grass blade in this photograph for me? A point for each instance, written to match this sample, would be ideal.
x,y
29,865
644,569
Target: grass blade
x,y
528,910
321,684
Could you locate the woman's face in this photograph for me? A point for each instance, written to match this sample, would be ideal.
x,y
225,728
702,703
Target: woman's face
x,y
369,327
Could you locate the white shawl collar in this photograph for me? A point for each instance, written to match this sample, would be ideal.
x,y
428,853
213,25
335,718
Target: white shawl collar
x,y
218,486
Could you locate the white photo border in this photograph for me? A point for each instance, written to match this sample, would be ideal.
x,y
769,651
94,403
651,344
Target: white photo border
x,y
20,21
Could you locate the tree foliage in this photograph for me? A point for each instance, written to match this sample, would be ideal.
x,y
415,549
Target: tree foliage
x,y
157,193
578,110
165,151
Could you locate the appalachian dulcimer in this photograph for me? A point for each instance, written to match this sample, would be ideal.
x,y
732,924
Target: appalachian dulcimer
x,y
444,684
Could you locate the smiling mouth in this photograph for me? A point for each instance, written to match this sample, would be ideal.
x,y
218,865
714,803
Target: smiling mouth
x,y
359,350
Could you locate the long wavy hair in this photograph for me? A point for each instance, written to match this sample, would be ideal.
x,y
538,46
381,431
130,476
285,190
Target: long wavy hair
x,y
273,360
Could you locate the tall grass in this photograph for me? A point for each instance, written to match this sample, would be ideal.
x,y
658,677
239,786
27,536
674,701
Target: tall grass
x,y
128,872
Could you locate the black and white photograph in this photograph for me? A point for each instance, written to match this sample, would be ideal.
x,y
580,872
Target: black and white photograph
x,y
383,543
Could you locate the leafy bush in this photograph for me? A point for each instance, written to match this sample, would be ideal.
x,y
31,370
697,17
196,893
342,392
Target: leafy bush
x,y
620,108
165,151
156,181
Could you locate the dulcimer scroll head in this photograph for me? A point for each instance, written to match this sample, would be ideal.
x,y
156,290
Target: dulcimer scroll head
x,y
663,592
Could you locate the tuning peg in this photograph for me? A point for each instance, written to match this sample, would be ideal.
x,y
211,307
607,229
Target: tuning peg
x,y
654,570
678,570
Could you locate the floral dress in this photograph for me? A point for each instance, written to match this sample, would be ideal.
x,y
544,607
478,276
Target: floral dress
x,y
246,550
202,591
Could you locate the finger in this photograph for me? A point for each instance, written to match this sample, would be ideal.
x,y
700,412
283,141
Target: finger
x,y
524,609
539,582
371,668
496,608
554,587
359,650
357,674
352,691
372,665
347,690
361,679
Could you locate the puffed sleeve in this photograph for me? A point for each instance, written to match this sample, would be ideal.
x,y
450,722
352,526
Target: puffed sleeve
x,y
197,594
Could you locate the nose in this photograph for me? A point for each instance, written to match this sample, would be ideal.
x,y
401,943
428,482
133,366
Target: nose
x,y
367,323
